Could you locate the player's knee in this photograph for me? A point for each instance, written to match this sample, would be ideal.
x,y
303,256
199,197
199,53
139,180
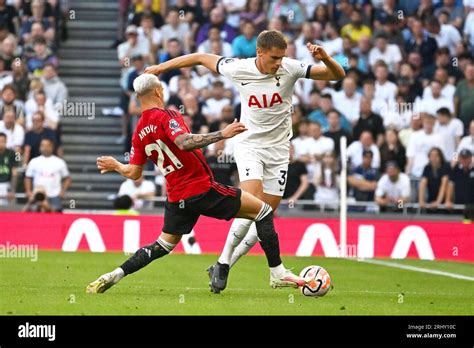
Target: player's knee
x,y
265,211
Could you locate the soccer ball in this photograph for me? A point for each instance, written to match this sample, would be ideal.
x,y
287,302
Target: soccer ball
x,y
320,281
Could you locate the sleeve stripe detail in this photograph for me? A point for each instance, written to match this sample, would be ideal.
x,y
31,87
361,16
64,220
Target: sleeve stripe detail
x,y
308,71
217,65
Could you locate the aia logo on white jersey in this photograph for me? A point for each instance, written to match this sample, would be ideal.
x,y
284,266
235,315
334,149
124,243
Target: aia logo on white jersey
x,y
262,102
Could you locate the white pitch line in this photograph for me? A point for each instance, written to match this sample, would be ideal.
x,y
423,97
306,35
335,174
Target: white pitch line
x,y
417,269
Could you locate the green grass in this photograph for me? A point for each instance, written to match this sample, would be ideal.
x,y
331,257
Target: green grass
x,y
177,285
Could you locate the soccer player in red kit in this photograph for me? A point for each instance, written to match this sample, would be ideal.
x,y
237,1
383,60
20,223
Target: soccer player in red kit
x,y
162,136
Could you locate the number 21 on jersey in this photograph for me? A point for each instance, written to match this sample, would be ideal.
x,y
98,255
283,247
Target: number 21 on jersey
x,y
161,147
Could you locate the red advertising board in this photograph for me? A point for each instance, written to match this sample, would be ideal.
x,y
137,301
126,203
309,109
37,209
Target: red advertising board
x,y
298,236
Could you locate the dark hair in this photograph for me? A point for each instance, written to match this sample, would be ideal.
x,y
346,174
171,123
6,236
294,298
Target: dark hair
x,y
10,87
260,6
147,16
368,82
444,111
123,202
39,41
3,135
440,154
172,9
442,50
268,39
173,39
432,21
326,96
334,111
39,113
218,84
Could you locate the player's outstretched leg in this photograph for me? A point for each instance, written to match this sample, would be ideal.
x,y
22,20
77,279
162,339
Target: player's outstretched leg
x,y
247,243
142,257
262,214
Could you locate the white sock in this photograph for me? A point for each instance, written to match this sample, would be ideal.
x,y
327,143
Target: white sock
x,y
117,274
278,271
243,248
237,232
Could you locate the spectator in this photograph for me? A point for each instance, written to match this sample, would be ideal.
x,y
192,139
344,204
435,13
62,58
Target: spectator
x,y
356,29
140,190
335,132
434,181
421,142
446,35
378,105
9,17
9,52
222,165
392,150
461,183
388,53
155,8
254,12
14,132
369,121
245,45
54,87
405,134
21,82
454,11
315,146
213,36
393,188
333,41
212,108
320,115
298,142
464,96
443,61
5,76
298,185
175,29
468,141
447,89
326,180
8,171
356,149
363,179
347,100
147,31
38,15
432,104
33,138
134,46
9,102
384,89
41,103
216,18
451,129
38,203
421,42
173,50
123,206
42,56
49,172
289,9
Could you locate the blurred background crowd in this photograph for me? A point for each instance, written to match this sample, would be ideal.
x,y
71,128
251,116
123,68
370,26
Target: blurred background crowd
x,y
406,105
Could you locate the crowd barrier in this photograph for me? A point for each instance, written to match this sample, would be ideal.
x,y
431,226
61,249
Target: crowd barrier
x,y
399,239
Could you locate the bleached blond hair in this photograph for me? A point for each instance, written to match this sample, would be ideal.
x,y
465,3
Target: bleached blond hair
x,y
146,83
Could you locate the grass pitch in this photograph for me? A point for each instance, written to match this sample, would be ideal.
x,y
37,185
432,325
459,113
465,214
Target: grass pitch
x,y
178,285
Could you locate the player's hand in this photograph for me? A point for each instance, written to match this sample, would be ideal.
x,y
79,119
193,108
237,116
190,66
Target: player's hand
x,y
317,52
154,69
106,164
233,129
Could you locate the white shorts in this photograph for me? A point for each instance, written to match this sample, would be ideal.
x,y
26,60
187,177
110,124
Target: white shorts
x,y
269,165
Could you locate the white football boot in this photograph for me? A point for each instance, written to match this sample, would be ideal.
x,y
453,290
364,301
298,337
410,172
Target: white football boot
x,y
288,279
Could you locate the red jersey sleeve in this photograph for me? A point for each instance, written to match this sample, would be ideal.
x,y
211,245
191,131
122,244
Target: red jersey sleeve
x,y
137,152
174,125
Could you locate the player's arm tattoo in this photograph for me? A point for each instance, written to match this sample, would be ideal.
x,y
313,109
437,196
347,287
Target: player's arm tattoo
x,y
190,142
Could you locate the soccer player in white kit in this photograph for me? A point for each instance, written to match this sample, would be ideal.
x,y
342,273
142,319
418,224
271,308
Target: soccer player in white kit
x,y
265,84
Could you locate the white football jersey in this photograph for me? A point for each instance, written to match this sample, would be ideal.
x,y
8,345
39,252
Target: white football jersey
x,y
266,99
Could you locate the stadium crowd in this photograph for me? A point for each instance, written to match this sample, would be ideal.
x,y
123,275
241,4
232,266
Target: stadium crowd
x,y
31,90
406,105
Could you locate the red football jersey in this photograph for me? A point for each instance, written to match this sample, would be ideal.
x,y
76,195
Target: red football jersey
x,y
186,172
